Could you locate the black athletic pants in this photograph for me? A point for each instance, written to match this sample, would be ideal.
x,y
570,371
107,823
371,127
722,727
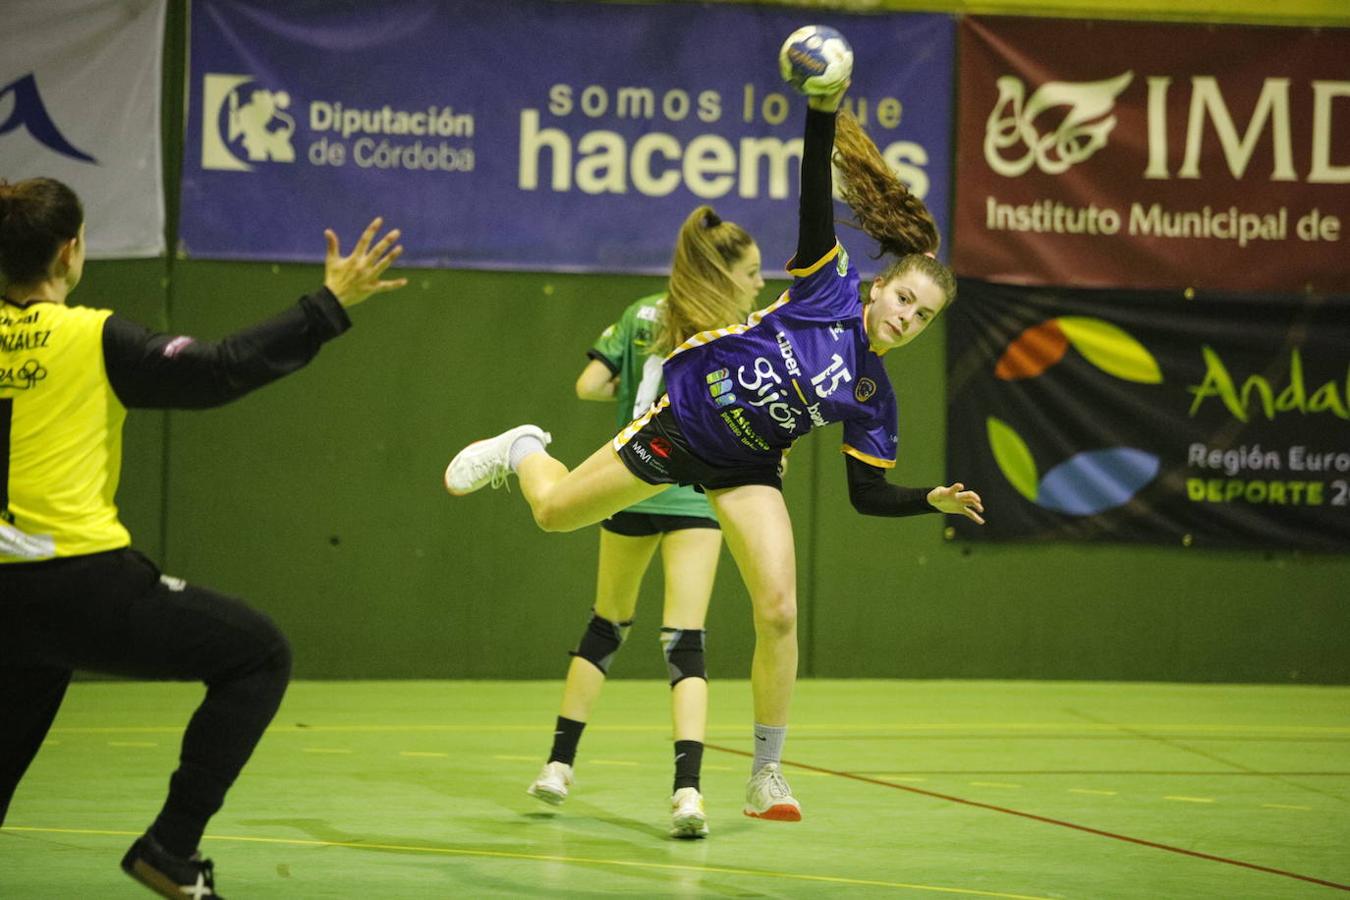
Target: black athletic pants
x,y
113,612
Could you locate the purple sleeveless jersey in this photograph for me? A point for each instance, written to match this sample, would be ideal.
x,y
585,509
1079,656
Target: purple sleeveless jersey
x,y
744,393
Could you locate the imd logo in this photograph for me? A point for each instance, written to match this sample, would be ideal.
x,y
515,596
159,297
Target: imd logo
x,y
1092,481
244,123
1083,112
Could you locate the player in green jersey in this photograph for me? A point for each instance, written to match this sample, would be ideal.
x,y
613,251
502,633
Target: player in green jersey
x,y
716,271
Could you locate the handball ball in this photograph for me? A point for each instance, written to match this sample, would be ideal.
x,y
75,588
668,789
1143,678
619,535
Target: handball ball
x,y
816,60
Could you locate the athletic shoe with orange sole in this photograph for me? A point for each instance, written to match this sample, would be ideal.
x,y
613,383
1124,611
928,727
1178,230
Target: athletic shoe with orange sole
x,y
767,796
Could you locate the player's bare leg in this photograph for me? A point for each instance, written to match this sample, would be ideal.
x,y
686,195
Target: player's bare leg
x,y
689,559
623,562
563,500
759,534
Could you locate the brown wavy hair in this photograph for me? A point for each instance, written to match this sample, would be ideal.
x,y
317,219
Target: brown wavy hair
x,y
884,209
701,294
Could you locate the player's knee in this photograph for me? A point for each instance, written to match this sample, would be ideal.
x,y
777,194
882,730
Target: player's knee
x,y
280,658
265,648
551,517
272,672
684,653
601,640
776,615
544,517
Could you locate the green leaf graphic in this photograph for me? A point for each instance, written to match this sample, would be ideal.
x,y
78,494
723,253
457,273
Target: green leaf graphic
x,y
1111,349
1013,457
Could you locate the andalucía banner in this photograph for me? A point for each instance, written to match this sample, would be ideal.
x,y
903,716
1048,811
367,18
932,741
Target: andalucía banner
x,y
79,102
1099,154
530,134
1216,420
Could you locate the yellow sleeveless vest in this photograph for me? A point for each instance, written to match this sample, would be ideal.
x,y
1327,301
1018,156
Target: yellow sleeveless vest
x,y
60,435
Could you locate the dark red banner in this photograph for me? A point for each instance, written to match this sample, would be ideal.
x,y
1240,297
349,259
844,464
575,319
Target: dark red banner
x,y
1109,154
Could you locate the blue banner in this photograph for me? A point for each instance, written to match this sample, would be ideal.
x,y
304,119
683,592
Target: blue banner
x,y
528,135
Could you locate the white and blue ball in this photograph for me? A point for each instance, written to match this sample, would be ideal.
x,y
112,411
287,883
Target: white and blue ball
x,y
816,60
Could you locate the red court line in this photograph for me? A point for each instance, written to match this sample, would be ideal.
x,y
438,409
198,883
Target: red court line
x,y
1049,821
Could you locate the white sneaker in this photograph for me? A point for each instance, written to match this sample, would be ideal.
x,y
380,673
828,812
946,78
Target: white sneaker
x,y
551,785
687,818
487,461
767,796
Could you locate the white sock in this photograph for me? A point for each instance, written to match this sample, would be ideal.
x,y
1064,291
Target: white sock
x,y
522,447
768,745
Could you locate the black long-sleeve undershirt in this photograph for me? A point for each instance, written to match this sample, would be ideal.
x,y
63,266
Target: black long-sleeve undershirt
x,y
872,495
151,370
815,210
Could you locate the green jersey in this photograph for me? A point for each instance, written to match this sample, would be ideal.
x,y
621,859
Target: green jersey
x,y
624,348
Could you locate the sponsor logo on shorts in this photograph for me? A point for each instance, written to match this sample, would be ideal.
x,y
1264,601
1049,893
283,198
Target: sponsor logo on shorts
x,y
661,447
645,453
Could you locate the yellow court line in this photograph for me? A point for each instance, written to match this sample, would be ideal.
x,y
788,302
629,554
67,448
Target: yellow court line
x,y
1090,791
540,857
826,728
1189,799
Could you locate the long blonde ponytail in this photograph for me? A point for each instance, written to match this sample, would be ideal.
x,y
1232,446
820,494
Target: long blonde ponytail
x,y
702,294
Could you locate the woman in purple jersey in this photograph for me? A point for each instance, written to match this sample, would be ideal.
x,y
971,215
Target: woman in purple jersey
x,y
737,397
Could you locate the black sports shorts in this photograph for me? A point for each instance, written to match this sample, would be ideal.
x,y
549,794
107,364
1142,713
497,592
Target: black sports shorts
x,y
654,449
645,524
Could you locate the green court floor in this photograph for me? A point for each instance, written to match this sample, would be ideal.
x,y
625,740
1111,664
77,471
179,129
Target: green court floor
x,y
395,789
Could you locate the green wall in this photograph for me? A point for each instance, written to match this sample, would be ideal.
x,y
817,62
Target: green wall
x,y
319,500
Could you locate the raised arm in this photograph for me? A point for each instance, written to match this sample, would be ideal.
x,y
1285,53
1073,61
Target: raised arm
x,y
164,371
815,226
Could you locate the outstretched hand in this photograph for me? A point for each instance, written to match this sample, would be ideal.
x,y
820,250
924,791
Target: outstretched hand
x,y
956,500
354,278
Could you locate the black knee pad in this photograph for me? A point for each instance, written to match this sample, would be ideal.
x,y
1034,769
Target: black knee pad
x,y
684,653
601,641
